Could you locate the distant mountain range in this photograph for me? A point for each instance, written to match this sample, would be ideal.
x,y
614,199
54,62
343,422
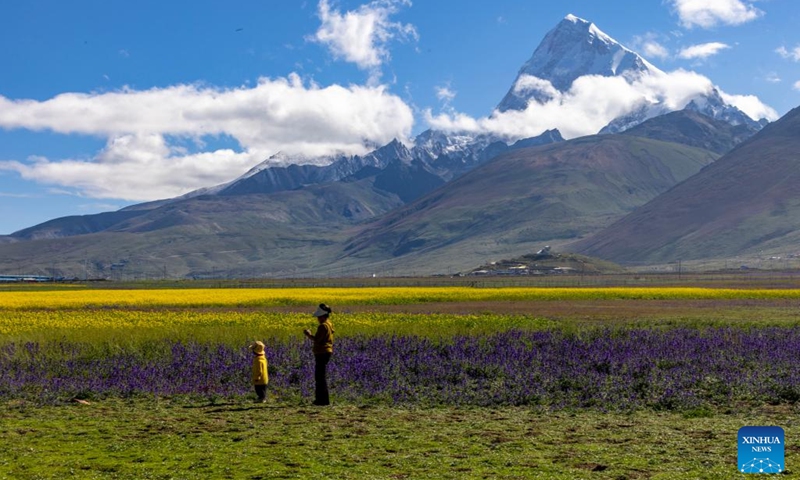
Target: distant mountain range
x,y
445,203
529,198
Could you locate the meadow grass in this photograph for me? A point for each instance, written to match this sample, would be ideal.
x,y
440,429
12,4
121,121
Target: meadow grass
x,y
198,439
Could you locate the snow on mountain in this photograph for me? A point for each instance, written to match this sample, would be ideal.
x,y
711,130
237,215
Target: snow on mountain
x,y
574,48
714,106
380,158
431,144
267,177
454,153
711,105
282,159
645,112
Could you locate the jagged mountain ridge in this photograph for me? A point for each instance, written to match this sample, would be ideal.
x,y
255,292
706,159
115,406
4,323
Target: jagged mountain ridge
x,y
265,179
688,127
444,155
711,105
576,48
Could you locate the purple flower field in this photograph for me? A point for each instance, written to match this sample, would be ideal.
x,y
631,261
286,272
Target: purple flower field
x,y
618,369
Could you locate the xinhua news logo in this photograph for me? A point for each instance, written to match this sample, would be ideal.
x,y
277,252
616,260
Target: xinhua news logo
x,y
761,450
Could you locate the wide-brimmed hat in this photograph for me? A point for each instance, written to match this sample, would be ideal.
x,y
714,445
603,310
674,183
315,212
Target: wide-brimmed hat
x,y
322,310
257,347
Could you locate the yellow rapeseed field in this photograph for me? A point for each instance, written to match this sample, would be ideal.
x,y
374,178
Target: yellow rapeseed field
x,y
233,315
198,298
133,326
16,322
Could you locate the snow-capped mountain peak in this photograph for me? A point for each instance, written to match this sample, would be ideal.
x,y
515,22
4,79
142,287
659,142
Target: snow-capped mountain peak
x,y
432,144
592,28
577,48
282,159
574,48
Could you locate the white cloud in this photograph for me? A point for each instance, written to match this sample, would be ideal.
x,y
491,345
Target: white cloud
x,y
17,195
650,46
136,168
527,84
653,49
710,13
793,54
445,94
751,105
704,50
361,36
590,104
796,85
773,77
142,159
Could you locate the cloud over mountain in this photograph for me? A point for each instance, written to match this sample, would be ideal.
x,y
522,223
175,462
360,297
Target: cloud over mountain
x,y
282,114
579,80
591,103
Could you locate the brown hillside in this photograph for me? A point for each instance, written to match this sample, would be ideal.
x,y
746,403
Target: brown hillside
x,y
747,201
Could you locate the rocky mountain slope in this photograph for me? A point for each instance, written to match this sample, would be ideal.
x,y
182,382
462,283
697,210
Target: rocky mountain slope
x,y
688,127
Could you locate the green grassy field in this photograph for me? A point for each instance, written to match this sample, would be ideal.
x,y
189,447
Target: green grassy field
x,y
185,439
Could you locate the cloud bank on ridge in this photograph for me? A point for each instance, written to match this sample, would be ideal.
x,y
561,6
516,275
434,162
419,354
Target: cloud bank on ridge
x,y
591,103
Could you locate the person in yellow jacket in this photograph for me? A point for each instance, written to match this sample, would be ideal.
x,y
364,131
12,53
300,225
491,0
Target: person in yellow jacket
x,y
323,350
260,375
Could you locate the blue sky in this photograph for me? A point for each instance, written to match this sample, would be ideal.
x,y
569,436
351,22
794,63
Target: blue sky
x,y
107,103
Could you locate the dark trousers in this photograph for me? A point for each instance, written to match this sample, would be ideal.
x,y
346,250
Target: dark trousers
x,y
320,381
261,391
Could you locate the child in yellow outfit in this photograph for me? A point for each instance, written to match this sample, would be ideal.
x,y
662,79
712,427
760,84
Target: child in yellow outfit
x,y
260,375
